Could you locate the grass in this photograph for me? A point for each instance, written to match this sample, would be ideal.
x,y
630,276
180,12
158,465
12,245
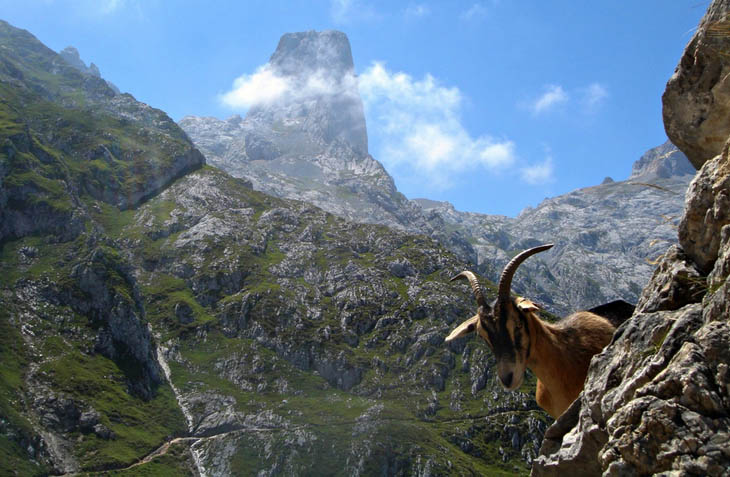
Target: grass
x,y
175,463
14,358
108,159
140,426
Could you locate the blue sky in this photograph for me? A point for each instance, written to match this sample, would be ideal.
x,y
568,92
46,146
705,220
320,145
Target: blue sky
x,y
492,105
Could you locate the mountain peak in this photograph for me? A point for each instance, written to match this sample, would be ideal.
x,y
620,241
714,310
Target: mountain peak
x,y
71,56
303,53
662,162
322,97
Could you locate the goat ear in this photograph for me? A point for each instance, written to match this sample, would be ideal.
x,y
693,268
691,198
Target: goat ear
x,y
526,305
469,326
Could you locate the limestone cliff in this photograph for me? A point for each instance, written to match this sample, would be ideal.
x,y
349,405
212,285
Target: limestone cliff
x,y
160,317
311,145
606,236
657,400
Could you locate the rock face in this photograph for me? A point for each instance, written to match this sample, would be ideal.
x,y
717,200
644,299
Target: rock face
x,y
697,98
605,236
657,400
311,142
312,146
163,315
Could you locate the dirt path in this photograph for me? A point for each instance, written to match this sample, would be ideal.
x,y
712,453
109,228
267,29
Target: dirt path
x,y
165,447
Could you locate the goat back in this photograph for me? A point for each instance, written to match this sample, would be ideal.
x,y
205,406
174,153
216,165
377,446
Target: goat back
x,y
616,311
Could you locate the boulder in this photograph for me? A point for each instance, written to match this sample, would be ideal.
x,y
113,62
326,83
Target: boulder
x,y
696,102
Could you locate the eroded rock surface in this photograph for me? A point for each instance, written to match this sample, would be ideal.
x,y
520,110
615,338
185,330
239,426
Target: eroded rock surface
x,y
657,399
697,98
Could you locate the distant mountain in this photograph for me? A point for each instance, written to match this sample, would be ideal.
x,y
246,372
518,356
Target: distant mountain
x,y
311,144
606,236
662,162
160,317
72,57
313,147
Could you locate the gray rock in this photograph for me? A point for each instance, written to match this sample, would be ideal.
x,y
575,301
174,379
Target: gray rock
x,y
662,162
708,211
88,420
657,399
104,432
401,268
696,102
676,282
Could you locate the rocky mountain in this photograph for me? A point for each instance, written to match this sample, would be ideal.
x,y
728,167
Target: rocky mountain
x,y
657,399
312,146
311,142
72,57
606,236
158,316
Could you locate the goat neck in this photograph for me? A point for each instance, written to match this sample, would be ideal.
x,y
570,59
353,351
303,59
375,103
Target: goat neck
x,y
554,364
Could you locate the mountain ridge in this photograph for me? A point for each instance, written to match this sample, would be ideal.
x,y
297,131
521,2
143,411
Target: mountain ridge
x,y
160,316
359,188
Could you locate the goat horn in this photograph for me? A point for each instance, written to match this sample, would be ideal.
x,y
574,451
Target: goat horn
x,y
475,287
505,281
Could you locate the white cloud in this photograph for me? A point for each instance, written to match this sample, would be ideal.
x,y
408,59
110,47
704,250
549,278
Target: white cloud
x,y
553,96
262,87
593,96
476,11
109,6
417,10
265,87
348,11
586,100
419,124
539,173
417,121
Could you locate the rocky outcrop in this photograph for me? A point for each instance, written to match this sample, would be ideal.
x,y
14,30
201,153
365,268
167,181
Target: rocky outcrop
x,y
675,283
321,75
708,211
697,98
284,149
111,298
72,57
657,399
621,225
661,162
311,142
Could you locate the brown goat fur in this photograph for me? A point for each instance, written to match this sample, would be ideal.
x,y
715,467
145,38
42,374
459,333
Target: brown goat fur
x,y
558,353
560,356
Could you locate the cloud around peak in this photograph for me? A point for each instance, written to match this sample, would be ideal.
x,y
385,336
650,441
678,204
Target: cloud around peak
x,y
416,123
266,86
421,131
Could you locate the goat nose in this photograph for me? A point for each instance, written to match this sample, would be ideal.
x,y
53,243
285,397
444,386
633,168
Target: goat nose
x,y
507,379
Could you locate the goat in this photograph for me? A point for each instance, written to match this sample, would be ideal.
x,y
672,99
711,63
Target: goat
x,y
559,354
